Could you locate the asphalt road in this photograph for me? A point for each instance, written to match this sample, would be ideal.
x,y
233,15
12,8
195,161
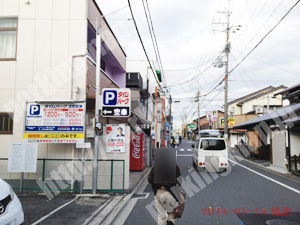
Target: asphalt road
x,y
244,189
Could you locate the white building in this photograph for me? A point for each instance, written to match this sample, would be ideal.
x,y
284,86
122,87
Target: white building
x,y
48,52
263,99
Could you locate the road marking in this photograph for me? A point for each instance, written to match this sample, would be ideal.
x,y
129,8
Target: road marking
x,y
184,155
181,149
54,211
275,181
189,149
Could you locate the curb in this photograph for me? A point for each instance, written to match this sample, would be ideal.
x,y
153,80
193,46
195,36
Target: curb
x,y
88,220
116,211
111,216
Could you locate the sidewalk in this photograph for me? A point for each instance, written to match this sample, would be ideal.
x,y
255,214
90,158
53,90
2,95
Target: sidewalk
x,y
136,176
109,211
265,164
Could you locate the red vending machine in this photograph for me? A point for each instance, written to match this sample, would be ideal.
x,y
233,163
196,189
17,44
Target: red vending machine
x,y
137,153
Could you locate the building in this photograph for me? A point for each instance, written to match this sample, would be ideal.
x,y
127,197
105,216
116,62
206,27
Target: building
x,y
49,56
261,101
278,132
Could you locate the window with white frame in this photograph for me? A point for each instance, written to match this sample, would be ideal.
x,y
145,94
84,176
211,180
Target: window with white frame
x,y
8,38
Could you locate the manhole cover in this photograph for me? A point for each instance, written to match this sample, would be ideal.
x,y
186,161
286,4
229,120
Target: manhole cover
x,y
281,222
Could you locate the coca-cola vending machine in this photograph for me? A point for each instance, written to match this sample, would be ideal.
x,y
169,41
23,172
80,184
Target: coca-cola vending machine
x,y
137,153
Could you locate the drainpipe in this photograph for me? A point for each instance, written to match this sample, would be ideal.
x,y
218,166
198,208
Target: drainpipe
x,y
289,148
72,71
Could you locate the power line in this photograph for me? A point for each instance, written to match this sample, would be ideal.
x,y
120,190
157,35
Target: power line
x,y
156,44
137,30
264,37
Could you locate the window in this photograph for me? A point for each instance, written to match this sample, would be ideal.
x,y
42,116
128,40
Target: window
x,y
213,144
254,107
6,123
102,66
8,38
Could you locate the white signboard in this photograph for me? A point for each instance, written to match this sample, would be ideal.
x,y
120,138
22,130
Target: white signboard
x,y
214,117
209,115
54,122
22,157
116,102
115,138
83,145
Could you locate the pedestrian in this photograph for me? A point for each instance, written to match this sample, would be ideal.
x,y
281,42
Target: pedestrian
x,y
173,141
180,139
166,196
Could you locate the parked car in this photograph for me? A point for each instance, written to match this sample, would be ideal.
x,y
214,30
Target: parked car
x,y
11,212
210,153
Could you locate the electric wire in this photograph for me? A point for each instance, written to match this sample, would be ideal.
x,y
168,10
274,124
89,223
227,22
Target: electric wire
x,y
137,30
264,37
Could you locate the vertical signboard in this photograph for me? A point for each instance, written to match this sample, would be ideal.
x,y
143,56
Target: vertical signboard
x,y
54,122
209,115
22,157
115,138
137,157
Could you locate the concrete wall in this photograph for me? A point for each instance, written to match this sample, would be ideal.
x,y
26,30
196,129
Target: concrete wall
x,y
278,148
49,34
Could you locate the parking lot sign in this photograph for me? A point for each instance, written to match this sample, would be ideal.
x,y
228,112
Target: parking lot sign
x,y
116,102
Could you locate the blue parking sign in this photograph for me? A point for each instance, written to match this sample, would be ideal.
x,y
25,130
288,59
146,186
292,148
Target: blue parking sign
x,y
34,110
110,97
222,122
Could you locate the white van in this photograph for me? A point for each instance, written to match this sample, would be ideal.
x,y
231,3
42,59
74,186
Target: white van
x,y
210,154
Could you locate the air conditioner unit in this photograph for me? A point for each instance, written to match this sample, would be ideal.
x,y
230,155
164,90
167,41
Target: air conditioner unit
x,y
259,110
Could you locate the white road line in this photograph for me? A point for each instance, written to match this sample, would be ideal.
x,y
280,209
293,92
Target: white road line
x,y
181,149
189,149
54,211
184,155
264,176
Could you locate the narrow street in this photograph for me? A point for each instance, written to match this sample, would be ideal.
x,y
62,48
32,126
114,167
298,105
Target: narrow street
x,y
238,191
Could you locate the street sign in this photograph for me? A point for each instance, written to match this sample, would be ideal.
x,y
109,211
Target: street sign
x,y
83,145
116,102
192,126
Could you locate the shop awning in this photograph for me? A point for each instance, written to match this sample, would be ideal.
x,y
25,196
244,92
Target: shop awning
x,y
284,113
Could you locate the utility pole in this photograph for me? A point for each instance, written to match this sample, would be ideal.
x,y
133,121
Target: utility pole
x,y
226,73
97,106
226,79
198,95
155,144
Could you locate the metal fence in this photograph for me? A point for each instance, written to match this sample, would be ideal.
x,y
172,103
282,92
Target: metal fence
x,y
66,175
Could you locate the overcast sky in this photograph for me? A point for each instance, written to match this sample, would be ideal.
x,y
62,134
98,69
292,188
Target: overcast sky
x,y
188,37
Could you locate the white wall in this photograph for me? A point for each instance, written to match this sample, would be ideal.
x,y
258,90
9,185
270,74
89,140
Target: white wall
x,y
295,143
49,33
278,148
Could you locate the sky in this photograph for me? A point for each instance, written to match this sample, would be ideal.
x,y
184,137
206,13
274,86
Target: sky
x,y
190,36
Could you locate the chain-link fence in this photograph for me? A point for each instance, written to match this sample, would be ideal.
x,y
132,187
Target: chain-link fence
x,y
66,175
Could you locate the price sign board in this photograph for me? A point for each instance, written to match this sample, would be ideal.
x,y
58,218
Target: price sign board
x,y
54,122
116,102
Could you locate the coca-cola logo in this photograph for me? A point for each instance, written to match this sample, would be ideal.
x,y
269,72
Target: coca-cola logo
x,y
136,143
